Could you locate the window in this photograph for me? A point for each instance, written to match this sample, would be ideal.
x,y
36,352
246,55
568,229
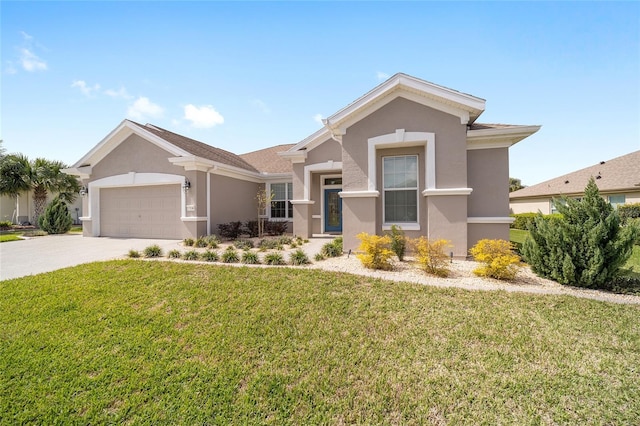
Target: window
x,y
616,200
281,207
400,183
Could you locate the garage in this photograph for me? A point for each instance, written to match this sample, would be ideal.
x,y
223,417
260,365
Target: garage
x,y
141,212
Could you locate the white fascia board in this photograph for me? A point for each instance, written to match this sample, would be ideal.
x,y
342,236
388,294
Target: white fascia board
x,y
427,93
294,156
446,191
277,177
302,202
119,135
358,194
235,172
81,172
498,138
191,162
505,219
312,140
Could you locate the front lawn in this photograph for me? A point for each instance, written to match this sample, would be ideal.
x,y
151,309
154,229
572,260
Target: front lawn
x,y
175,343
9,237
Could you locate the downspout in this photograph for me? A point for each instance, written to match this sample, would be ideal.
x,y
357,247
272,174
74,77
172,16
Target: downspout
x,y
325,122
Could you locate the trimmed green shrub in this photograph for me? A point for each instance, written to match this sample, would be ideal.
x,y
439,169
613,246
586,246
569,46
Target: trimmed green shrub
x,y
174,254
134,254
201,243
210,256
398,241
56,218
5,224
319,257
191,255
299,257
525,220
268,244
275,227
230,255
250,258
188,242
251,228
284,240
274,259
629,211
231,230
586,248
153,251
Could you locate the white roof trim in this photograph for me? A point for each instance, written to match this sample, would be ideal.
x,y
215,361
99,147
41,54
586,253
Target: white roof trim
x,y
118,135
498,138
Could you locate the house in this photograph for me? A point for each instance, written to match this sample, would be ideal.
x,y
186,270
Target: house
x,y
23,211
408,152
618,181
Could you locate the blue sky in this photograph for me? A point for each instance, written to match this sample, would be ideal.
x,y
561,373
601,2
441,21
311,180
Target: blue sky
x,y
244,76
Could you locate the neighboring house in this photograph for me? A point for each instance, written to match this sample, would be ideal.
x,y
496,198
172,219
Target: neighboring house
x,y
24,212
409,153
618,181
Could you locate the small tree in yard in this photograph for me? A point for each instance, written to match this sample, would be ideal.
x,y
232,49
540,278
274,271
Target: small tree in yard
x,y
585,248
56,218
264,200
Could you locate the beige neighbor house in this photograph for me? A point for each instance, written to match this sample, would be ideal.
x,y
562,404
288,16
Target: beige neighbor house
x,y
23,212
618,181
409,153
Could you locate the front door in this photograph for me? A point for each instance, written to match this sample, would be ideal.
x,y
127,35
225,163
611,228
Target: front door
x,y
332,210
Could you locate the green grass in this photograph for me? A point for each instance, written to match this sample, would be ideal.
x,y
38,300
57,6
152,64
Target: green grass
x,y
9,237
518,235
163,342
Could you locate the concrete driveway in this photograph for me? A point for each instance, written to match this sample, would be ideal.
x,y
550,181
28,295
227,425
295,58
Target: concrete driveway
x,y
46,254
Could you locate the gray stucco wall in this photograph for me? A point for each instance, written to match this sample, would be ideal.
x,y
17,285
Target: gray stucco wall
x,y
489,178
232,200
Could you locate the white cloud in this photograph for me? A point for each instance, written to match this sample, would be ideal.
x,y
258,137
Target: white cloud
x,y
86,90
318,119
381,76
143,107
26,36
202,117
120,93
31,62
260,105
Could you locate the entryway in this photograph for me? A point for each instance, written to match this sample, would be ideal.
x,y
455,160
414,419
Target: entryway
x,y
332,211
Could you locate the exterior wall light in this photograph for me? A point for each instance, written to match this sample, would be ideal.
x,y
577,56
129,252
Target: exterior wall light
x,y
84,191
186,185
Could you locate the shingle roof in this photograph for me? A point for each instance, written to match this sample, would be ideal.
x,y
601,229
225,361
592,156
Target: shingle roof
x,y
620,174
484,126
197,148
268,161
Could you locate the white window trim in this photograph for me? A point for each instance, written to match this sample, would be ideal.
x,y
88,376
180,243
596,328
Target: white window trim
x,y
280,219
410,226
322,188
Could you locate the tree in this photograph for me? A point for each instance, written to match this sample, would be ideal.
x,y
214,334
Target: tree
x,y
515,184
56,218
264,200
2,149
586,247
42,176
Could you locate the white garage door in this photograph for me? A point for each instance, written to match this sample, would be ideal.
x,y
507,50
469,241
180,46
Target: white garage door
x,y
141,212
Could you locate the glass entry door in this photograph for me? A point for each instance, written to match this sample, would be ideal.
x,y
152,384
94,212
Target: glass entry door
x,y
332,210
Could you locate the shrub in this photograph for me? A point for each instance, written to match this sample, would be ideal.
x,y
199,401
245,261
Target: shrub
x,y
625,284
210,256
243,244
275,227
374,251
284,240
498,259
188,242
251,228
153,251
525,220
268,244
586,248
333,248
5,224
201,242
174,254
319,257
56,218
274,259
134,254
191,255
299,257
431,255
398,241
212,241
231,230
230,255
250,258
629,211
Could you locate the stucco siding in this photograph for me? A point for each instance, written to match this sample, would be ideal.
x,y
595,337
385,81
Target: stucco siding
x,y
492,231
530,206
232,200
488,176
448,220
26,207
328,150
358,215
135,154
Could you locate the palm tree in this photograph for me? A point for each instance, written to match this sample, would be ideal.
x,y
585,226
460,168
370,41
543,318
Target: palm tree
x,y
42,176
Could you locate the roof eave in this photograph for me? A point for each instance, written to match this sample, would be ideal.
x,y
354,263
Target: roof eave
x,y
498,138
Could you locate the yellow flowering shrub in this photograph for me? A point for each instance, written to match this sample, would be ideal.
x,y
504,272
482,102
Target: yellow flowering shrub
x,y
497,258
374,251
431,255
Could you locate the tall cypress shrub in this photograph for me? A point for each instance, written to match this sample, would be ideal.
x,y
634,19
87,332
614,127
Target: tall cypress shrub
x,y
56,218
585,248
